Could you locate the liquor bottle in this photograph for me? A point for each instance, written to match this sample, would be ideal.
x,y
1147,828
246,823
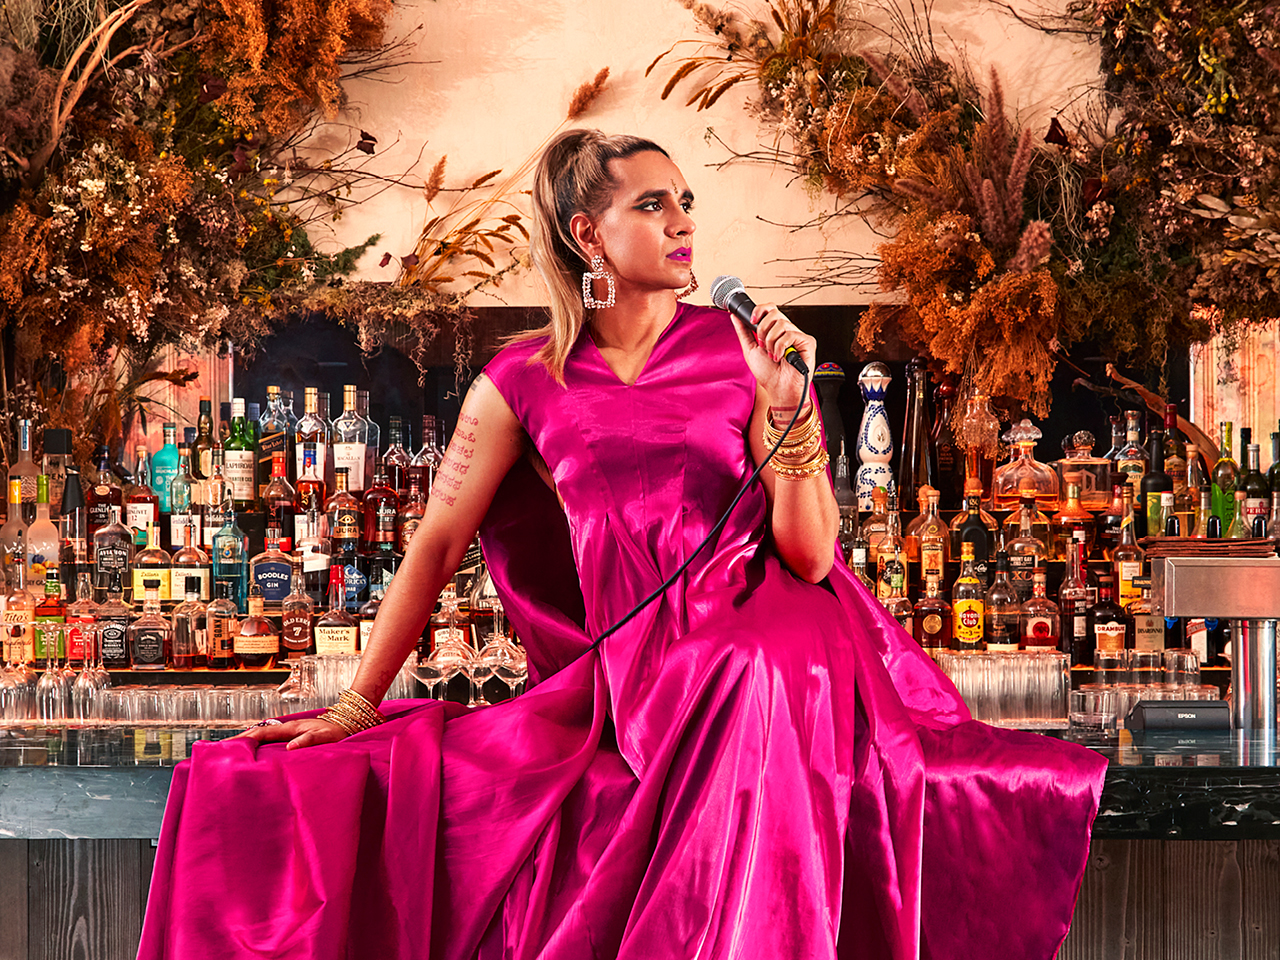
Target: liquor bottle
x,y
188,562
1186,500
973,487
223,623
1072,518
1024,470
1041,525
218,501
1146,630
874,526
1239,529
429,455
846,503
1175,457
1117,438
238,458
19,612
152,562
113,624
974,530
895,600
13,535
82,614
324,412
1073,605
1107,623
202,449
42,542
314,549
397,460
25,472
297,610
414,508
104,492
1111,520
310,488
271,574
367,613
934,538
915,469
150,637
184,511
1000,610
230,557
252,414
1257,493
73,535
1127,558
1273,471
55,465
1168,517
1025,551
1132,458
257,642
164,467
274,436
278,499
1225,474
112,552
1273,522
49,612
931,620
858,560
379,510
337,631
345,515
1154,483
891,555
141,505
875,441
968,607
350,440
947,456
190,625
373,436
1039,621
313,429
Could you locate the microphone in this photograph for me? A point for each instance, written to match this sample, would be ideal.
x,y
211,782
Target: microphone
x,y
728,293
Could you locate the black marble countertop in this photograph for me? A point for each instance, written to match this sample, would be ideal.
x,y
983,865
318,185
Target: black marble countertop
x,y
111,781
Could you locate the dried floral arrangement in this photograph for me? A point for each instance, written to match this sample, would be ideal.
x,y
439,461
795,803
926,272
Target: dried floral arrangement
x,y
1011,244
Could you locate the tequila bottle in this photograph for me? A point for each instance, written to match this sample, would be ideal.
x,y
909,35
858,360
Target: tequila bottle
x,y
875,442
278,498
891,556
934,537
874,526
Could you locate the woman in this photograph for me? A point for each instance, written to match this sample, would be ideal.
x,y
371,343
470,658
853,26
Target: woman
x,y
760,764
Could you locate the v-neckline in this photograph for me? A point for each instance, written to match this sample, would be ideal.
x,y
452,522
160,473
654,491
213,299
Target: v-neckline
x,y
644,367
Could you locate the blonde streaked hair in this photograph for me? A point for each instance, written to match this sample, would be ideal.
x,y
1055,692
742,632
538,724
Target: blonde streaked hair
x,y
573,177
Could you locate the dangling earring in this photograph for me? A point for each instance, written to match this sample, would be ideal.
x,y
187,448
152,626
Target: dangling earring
x,y
597,272
693,285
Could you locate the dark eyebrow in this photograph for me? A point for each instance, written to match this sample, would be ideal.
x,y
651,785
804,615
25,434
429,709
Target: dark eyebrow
x,y
687,195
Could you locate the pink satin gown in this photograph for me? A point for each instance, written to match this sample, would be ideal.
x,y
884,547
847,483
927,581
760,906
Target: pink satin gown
x,y
755,767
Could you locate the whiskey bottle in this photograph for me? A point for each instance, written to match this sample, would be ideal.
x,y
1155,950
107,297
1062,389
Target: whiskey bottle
x,y
257,643
1127,557
874,526
278,498
1070,520
397,461
104,493
344,514
412,510
1001,609
313,429
112,552
223,620
297,637
151,635
113,624
238,454
202,449
934,537
1073,605
275,435
1131,459
190,561
931,621
380,508
141,505
190,625
1146,630
1026,551
336,631
310,489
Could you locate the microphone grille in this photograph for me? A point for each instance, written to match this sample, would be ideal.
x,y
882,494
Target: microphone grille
x,y
722,287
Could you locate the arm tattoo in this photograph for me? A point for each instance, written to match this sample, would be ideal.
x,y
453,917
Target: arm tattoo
x,y
453,468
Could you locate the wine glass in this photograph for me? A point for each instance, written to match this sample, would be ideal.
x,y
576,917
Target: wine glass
x,y
442,666
51,692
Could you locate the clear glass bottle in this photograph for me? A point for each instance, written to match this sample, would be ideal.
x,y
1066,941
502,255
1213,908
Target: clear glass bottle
x,y
1239,529
222,617
979,434
257,642
968,604
891,554
150,637
82,613
219,505
1225,474
337,631
13,535
190,625
1001,607
316,556
231,561
1127,559
73,530
1273,522
19,612
42,541
314,429
430,454
1186,496
1073,606
1023,469
297,613
1175,457
1273,471
271,574
1131,458
184,509
858,560
350,441
1025,551
931,620
1203,515
412,510
25,471
874,526
1072,518
1146,630
56,463
373,436
895,600
1092,475
153,562
397,460
846,503
310,493
141,505
190,561
278,498
1039,621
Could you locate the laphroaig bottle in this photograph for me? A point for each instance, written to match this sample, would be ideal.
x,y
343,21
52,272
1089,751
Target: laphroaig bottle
x,y
238,459
967,604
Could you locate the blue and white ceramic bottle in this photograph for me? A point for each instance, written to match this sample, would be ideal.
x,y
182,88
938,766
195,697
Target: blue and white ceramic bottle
x,y
875,441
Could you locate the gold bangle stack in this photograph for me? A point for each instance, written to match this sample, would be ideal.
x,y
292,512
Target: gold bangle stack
x,y
353,713
802,454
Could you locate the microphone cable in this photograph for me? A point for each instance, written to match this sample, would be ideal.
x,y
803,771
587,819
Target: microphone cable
x,y
724,518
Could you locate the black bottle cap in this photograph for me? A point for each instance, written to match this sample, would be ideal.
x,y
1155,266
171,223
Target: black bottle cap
x,y
193,584
222,590
57,440
189,435
72,495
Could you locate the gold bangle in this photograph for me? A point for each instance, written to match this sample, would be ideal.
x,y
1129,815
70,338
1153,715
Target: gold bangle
x,y
353,713
802,435
815,468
